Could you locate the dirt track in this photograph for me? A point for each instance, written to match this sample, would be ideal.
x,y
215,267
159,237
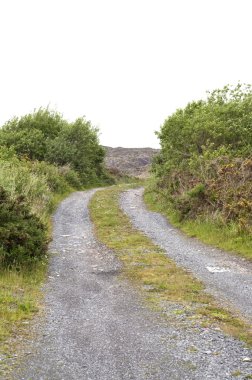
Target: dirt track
x,y
97,327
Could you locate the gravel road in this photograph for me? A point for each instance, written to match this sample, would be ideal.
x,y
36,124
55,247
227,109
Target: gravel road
x,y
228,278
97,327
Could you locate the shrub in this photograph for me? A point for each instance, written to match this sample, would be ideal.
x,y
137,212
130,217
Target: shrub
x,y
71,176
55,180
231,190
22,235
205,163
78,146
45,136
29,134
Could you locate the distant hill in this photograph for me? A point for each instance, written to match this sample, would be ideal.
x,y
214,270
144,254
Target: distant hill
x,y
130,161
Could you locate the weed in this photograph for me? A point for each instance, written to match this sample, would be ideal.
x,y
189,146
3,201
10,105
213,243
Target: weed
x,y
192,349
236,373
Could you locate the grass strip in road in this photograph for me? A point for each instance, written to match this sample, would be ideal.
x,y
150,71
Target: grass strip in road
x,y
148,266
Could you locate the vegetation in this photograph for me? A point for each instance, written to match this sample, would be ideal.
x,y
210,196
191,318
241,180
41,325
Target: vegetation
x,y
149,267
45,136
204,170
20,298
22,234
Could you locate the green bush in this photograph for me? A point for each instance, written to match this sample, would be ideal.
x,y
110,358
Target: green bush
x,y
23,237
71,176
77,145
29,134
197,191
56,182
204,167
45,136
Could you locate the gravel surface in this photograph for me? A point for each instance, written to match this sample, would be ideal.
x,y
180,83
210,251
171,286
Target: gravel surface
x,y
227,277
97,326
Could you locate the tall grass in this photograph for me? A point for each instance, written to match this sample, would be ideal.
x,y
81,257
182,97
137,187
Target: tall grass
x,y
19,180
36,181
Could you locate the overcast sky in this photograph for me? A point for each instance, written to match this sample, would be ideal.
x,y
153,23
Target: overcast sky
x,y
124,64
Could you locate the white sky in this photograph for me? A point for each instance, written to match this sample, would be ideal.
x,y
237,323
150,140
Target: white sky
x,y
124,64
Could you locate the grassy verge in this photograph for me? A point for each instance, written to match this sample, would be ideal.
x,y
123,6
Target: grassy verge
x,y
148,267
19,298
227,237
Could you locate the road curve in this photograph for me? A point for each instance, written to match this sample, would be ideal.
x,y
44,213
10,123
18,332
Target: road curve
x,y
97,327
227,277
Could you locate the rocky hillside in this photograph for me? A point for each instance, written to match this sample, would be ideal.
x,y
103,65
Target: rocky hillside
x,y
130,161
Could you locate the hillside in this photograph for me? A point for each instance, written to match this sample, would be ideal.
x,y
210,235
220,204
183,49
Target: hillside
x,y
130,161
